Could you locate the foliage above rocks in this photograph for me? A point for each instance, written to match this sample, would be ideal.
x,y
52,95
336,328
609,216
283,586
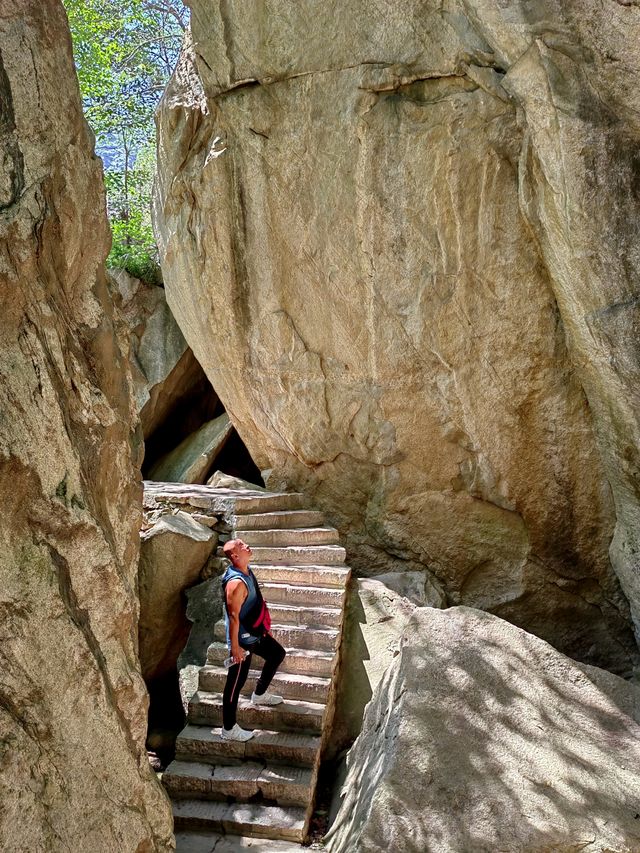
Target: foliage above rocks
x,y
125,51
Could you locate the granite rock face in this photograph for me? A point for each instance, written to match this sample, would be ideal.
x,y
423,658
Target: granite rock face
x,y
422,220
509,746
163,367
73,707
375,618
157,346
173,552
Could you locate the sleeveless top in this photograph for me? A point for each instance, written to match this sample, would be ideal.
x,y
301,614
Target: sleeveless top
x,y
244,637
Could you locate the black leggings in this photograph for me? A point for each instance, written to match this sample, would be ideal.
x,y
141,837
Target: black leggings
x,y
273,655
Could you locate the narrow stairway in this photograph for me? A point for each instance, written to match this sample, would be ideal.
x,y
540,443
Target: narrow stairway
x,y
265,788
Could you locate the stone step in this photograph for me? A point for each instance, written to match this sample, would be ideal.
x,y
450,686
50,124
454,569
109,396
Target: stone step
x,y
254,819
190,841
301,595
297,661
281,784
320,639
298,537
269,502
279,520
334,576
291,715
319,617
304,555
201,743
305,687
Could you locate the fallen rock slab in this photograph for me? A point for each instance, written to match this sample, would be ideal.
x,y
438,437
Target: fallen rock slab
x,y
190,461
220,480
483,738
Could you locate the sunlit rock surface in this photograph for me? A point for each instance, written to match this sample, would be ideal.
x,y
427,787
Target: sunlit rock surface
x,y
375,617
481,737
415,226
73,708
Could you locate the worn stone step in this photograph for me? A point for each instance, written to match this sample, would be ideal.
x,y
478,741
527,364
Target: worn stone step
x,y
299,555
192,841
291,715
254,819
301,595
269,502
334,576
318,617
201,743
279,520
305,687
298,537
281,784
321,639
297,661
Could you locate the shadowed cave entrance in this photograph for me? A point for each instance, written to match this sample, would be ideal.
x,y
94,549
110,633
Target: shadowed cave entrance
x,y
193,404
182,418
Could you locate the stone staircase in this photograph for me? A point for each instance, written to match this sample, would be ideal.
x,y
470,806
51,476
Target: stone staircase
x,y
265,788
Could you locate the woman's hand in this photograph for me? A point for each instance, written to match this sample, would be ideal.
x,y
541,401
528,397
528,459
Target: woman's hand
x,y
237,653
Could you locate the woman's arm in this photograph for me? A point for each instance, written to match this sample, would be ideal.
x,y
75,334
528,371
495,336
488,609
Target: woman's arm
x,y
236,594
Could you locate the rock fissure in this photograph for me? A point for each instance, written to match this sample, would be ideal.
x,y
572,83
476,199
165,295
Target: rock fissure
x,y
82,620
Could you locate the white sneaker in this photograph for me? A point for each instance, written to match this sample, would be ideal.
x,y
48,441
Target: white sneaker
x,y
236,733
266,699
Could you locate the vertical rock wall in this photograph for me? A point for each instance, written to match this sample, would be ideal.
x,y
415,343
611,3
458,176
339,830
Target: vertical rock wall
x,y
73,771
413,228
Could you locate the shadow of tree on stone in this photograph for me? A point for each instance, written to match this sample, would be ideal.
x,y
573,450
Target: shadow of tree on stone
x,y
482,737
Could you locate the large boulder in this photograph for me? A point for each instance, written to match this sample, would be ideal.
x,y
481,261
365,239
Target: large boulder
x,y
73,706
159,353
174,551
173,396
375,617
482,737
422,222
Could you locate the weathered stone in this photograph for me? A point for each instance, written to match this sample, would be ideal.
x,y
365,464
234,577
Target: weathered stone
x,y
157,344
375,617
220,480
624,694
423,225
165,374
172,555
481,737
73,706
418,587
190,461
204,609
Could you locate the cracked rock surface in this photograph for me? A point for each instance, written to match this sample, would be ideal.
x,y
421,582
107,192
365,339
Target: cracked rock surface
x,y
73,771
481,737
421,219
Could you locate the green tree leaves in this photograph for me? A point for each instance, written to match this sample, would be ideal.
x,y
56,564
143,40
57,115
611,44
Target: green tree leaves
x,y
125,51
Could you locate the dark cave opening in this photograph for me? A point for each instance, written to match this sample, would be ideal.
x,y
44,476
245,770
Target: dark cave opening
x,y
193,405
190,403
